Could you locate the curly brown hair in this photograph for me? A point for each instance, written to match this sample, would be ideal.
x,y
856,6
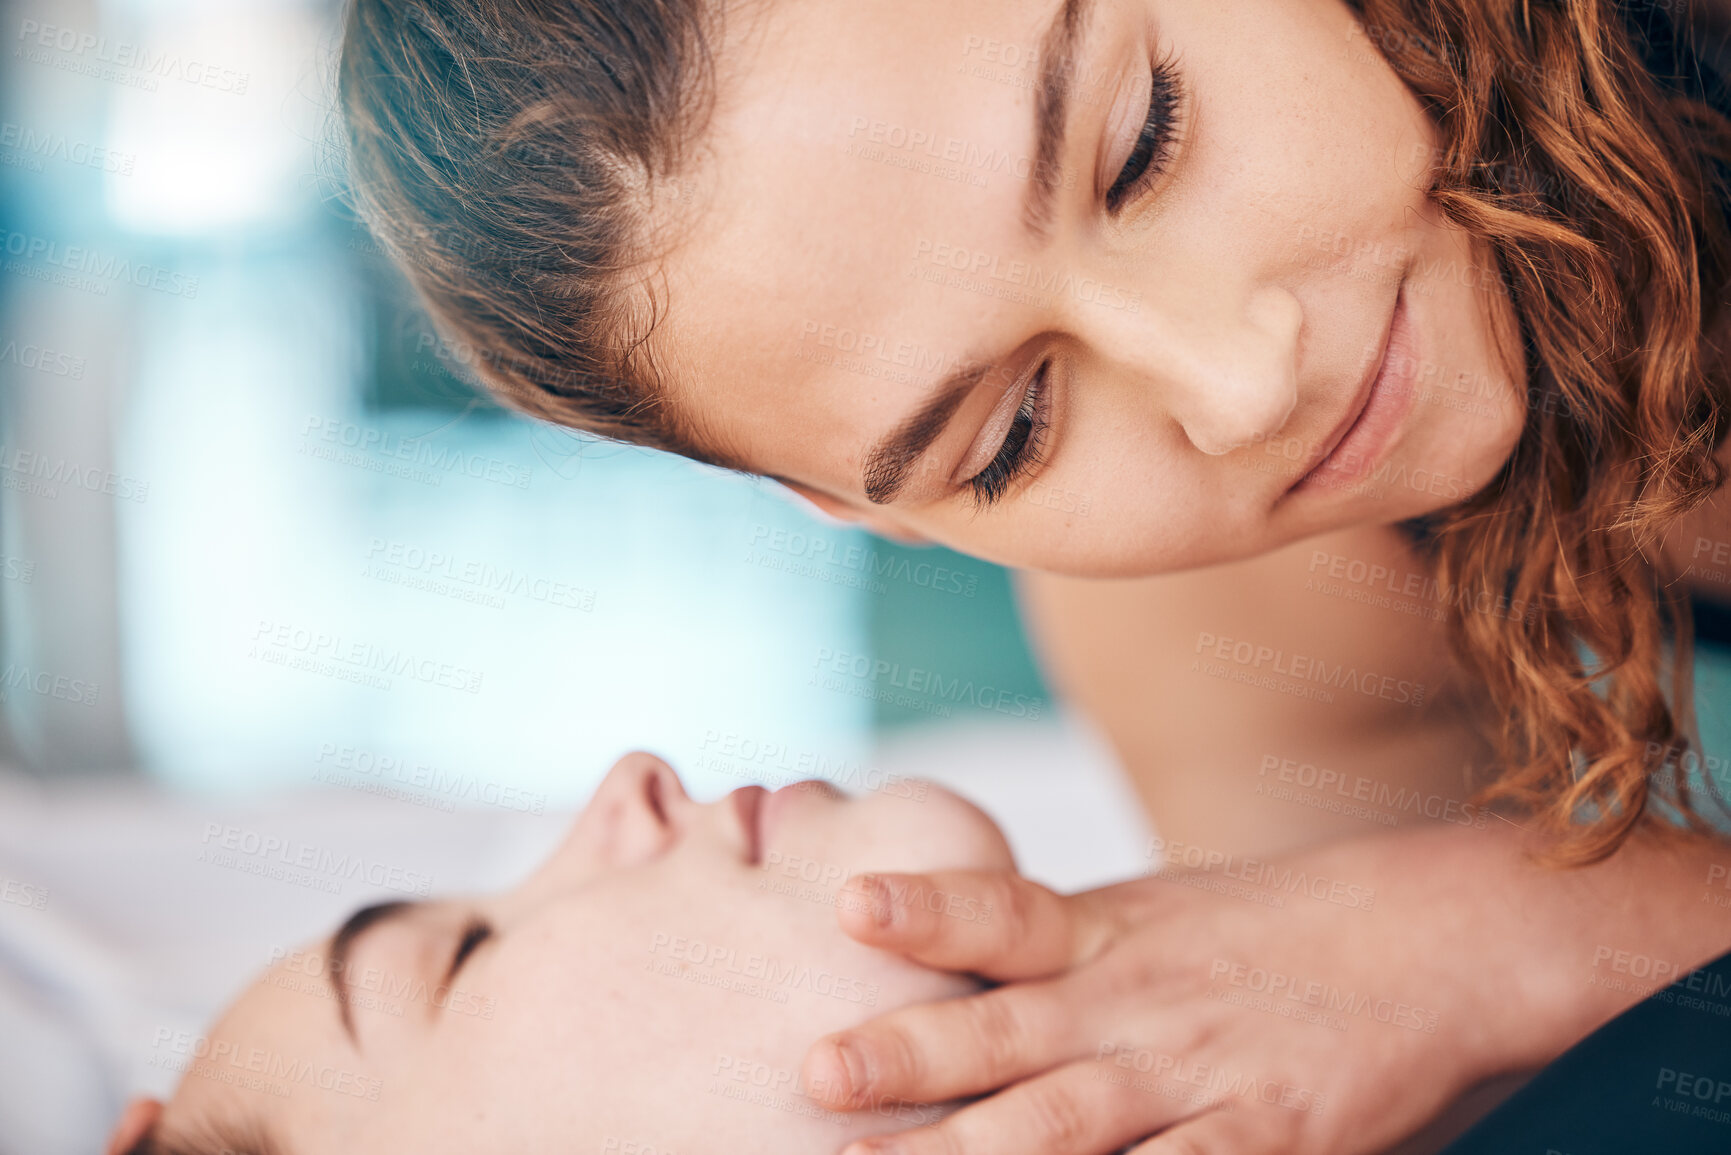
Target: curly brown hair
x,y
1581,141
506,150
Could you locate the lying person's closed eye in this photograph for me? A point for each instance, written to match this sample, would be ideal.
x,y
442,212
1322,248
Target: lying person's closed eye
x,y
652,987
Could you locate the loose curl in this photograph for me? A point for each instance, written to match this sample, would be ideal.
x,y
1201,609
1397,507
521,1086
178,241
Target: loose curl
x,y
506,151
1577,142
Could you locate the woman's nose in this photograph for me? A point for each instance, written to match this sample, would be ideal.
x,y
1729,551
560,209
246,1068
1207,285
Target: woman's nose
x,y
1226,370
637,813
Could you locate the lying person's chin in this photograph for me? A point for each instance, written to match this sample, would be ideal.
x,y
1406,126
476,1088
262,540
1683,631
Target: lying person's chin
x,y
653,986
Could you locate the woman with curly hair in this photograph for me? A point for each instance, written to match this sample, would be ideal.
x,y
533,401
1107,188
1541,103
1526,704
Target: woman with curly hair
x,y
1346,380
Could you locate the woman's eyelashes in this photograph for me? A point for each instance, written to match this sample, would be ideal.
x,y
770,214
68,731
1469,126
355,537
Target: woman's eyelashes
x,y
1154,144
1022,444
475,932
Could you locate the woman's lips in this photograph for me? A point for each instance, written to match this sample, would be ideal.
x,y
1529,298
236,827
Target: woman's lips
x,y
1384,408
772,810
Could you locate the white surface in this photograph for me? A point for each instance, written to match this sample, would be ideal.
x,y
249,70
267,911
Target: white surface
x,y
142,932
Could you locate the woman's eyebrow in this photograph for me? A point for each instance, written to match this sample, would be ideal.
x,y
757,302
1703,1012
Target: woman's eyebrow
x,y
343,942
890,462
1058,50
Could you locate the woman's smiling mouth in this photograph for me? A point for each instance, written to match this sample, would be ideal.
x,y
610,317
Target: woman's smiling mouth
x,y
1370,428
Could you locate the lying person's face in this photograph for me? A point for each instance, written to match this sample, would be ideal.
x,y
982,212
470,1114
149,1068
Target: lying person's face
x,y
1173,318
653,986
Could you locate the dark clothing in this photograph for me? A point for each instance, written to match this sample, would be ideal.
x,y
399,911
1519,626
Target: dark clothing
x,y
1657,1079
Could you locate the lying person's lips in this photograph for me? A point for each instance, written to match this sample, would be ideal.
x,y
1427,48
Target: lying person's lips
x,y
774,808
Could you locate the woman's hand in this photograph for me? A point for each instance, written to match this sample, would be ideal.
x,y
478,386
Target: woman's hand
x,y
1328,1004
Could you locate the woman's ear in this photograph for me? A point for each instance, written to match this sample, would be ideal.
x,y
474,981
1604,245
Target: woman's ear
x,y
139,1117
846,512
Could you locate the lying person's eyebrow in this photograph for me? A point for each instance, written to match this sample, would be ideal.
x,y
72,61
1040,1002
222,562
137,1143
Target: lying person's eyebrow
x,y
343,942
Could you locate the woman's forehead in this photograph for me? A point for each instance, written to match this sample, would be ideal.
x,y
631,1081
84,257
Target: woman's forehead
x,y
846,181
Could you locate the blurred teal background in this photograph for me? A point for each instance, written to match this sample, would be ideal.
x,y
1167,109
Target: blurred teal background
x,y
257,532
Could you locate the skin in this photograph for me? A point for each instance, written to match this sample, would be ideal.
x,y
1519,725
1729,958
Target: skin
x,y
1137,1010
1265,267
581,1006
1183,422
831,276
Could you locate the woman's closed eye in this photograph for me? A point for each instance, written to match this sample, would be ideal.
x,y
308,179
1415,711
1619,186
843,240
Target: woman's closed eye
x,y
1156,141
1151,153
475,932
1023,442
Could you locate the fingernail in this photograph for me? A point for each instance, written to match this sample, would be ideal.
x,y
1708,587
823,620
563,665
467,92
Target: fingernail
x,y
857,1075
882,900
839,1075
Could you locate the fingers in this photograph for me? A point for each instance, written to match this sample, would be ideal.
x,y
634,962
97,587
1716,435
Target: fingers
x,y
989,922
1075,1110
1219,1132
945,1050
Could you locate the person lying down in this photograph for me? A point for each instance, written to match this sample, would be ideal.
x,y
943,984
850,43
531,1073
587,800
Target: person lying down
x,y
650,990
